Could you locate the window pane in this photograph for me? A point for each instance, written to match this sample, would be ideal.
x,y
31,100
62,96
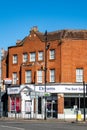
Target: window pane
x,y
13,103
79,75
52,54
25,57
15,59
32,56
40,55
39,76
28,76
14,76
52,75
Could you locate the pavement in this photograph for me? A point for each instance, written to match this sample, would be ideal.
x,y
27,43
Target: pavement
x,y
42,120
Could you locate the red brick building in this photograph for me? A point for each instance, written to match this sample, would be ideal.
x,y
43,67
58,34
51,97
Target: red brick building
x,y
66,62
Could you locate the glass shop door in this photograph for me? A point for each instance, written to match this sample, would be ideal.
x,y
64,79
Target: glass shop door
x,y
51,109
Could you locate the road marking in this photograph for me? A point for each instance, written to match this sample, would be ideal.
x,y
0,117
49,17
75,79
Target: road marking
x,y
12,127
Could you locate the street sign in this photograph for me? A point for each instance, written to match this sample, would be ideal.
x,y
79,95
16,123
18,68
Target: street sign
x,y
47,94
39,94
36,94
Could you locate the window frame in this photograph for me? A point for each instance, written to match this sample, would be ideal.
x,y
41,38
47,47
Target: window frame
x,y
25,57
15,59
79,75
14,77
52,76
40,56
52,54
32,56
28,78
39,76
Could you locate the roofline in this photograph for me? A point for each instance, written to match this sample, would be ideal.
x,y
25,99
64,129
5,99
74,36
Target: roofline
x,y
74,34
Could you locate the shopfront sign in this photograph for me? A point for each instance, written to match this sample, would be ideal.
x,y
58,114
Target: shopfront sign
x,y
7,81
13,90
62,88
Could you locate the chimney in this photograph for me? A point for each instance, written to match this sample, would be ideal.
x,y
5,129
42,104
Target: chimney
x,y
18,41
34,28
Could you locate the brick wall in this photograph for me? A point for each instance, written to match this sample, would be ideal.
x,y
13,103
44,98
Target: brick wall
x,y
73,55
60,103
34,44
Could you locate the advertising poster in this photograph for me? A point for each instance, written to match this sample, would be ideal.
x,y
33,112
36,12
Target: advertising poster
x,y
12,104
18,104
15,104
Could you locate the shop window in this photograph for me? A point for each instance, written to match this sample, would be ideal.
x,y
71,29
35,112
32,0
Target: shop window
x,y
39,105
12,104
28,106
15,104
70,102
81,101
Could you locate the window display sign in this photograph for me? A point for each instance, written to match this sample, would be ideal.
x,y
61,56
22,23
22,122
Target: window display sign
x,y
18,104
12,104
15,104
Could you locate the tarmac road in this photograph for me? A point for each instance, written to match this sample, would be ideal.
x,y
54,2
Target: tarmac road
x,y
41,125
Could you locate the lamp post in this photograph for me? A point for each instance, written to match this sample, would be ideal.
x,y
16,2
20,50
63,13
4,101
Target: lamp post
x,y
45,70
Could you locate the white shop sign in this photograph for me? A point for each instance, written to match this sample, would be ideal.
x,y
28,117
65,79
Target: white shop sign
x,y
13,90
7,81
61,89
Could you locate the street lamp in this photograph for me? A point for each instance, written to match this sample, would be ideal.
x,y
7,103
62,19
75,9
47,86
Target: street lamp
x,y
45,68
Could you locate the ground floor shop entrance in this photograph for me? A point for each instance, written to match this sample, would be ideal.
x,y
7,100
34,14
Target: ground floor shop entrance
x,y
51,105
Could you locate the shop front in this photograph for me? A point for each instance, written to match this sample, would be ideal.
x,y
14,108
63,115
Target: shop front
x,y
14,101
65,100
73,104
62,101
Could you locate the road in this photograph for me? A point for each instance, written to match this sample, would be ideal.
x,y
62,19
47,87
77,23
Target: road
x,y
40,125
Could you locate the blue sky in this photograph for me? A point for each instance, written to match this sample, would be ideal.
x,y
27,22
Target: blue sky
x,y
17,17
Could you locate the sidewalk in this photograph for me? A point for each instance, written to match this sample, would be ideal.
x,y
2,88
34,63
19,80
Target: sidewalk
x,y
42,120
